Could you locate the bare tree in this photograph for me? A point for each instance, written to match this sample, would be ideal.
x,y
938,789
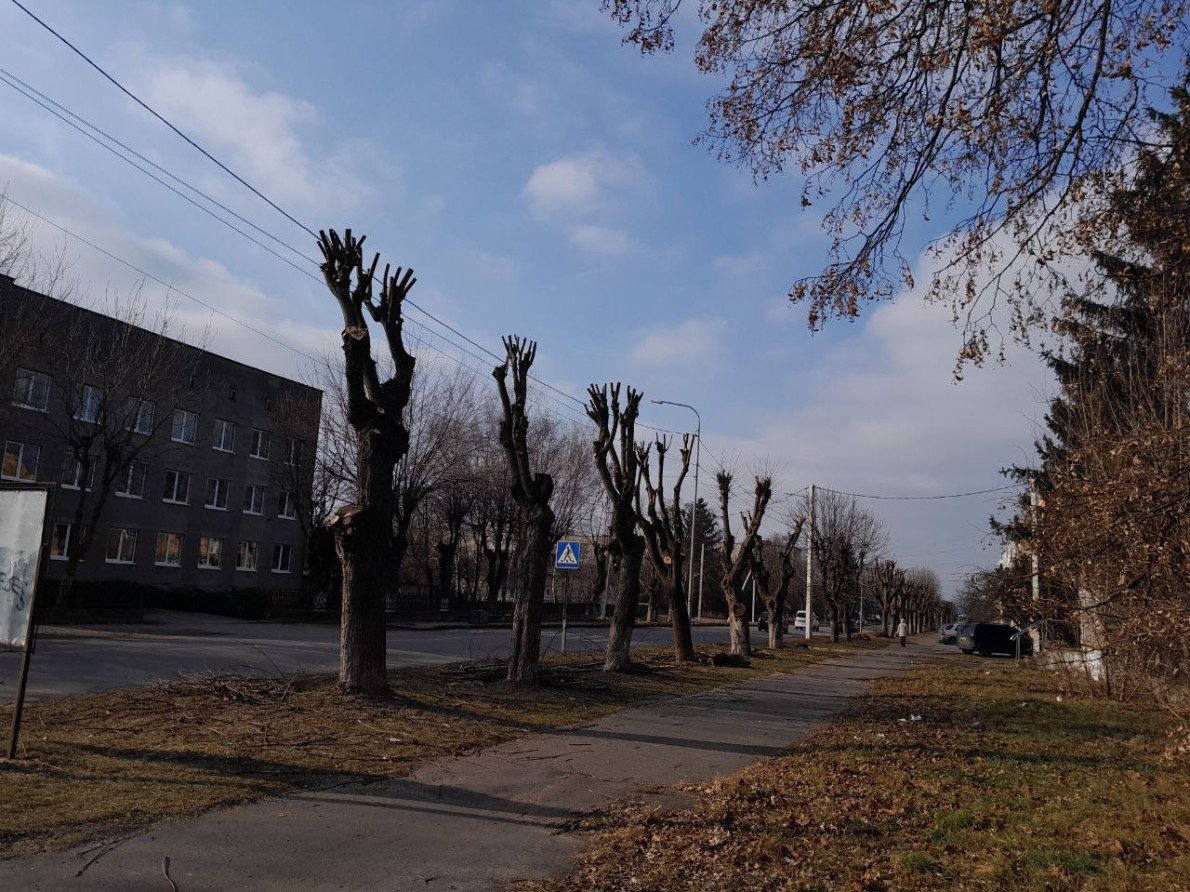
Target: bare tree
x,y
443,436
532,491
1027,108
452,506
887,582
375,412
665,531
735,562
620,467
120,377
787,571
844,538
32,278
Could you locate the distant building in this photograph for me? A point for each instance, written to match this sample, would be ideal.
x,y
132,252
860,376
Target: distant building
x,y
224,466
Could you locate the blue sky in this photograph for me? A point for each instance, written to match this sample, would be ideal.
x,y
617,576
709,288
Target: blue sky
x,y
540,177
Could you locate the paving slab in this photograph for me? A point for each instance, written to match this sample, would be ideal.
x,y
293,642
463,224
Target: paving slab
x,y
475,822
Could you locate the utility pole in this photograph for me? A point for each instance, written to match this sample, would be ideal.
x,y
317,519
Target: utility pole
x,y
702,565
1034,501
810,567
693,505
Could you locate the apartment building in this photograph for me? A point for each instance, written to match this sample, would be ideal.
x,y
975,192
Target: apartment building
x,y
208,462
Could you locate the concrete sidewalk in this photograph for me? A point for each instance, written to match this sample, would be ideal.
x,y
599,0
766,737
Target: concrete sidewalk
x,y
476,822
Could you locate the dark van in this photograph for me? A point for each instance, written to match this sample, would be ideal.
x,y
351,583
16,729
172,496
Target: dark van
x,y
992,638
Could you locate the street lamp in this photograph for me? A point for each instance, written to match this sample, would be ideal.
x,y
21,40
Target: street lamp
x,y
694,504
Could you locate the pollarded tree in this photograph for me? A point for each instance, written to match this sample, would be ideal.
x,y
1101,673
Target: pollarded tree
x,y
619,465
665,532
775,598
532,491
1024,107
734,562
375,412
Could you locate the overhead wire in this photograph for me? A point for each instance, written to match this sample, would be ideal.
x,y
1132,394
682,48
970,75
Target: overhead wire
x,y
955,495
163,120
119,148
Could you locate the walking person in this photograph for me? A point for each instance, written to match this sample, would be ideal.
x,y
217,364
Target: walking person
x,y
902,631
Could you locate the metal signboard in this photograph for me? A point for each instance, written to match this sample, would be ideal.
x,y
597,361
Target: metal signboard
x,y
566,555
22,531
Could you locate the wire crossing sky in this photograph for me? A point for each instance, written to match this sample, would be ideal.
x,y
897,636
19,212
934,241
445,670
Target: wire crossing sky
x,y
540,177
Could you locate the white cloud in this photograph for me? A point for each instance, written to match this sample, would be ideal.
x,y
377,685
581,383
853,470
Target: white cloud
x,y
600,239
257,131
306,324
689,341
578,185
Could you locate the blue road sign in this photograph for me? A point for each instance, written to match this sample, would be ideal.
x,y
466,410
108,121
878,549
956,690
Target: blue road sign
x,y
566,555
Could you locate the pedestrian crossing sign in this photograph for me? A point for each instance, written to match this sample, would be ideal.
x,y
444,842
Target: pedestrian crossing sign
x,y
566,556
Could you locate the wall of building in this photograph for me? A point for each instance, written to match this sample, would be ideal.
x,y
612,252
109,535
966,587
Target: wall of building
x,y
219,390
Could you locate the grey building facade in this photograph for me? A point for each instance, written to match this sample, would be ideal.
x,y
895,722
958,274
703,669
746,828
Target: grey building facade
x,y
216,492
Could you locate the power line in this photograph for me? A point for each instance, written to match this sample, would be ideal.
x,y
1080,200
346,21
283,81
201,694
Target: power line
x,y
62,113
159,281
65,114
955,495
426,339
164,121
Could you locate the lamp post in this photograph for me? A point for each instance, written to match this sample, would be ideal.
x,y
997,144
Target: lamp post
x,y
693,505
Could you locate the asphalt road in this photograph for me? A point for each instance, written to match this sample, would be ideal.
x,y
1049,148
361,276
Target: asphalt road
x,y
101,658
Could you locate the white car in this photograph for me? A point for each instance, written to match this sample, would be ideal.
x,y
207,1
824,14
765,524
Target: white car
x,y
949,633
799,622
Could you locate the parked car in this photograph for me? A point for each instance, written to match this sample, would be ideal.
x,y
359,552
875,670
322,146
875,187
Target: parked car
x,y
992,638
949,633
799,622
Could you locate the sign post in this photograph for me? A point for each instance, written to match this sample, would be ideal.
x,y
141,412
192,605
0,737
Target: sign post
x,y
23,513
566,557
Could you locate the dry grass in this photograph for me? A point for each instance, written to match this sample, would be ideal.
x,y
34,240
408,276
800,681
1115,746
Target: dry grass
x,y
1002,783
106,764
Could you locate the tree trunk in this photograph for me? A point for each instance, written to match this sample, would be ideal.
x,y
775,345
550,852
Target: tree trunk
x,y
525,658
776,609
679,616
365,546
619,633
741,633
835,623
361,544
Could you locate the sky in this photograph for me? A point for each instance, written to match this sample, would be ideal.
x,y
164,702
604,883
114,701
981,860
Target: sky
x,y
542,179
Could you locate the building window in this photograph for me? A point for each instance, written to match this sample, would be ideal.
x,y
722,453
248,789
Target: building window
x,y
293,451
261,441
138,416
169,550
217,493
253,499
132,482
185,427
90,402
72,474
210,552
281,555
32,390
20,461
225,435
177,487
121,546
287,505
63,541
246,555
